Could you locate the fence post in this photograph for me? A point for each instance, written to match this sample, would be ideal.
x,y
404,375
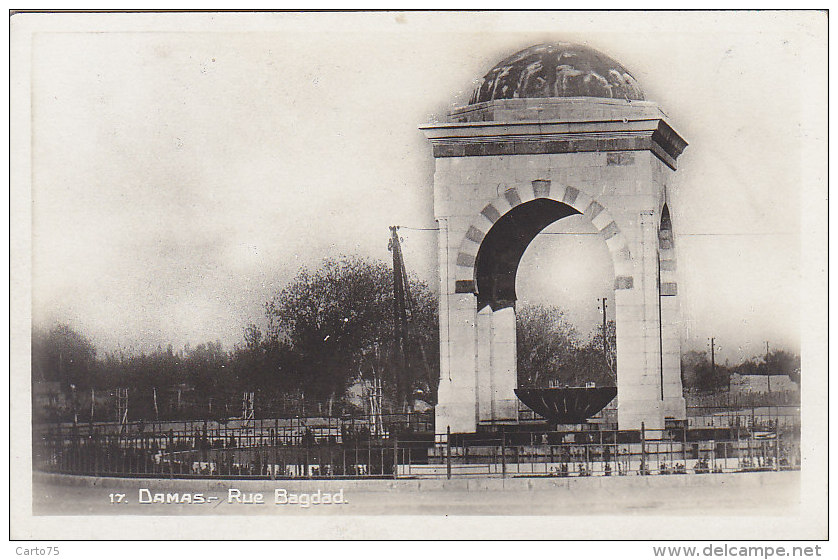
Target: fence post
x,y
777,446
503,453
465,452
307,468
616,455
643,448
448,452
713,455
726,452
395,455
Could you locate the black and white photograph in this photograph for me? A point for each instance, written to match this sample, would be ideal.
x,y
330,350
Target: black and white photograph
x,y
419,275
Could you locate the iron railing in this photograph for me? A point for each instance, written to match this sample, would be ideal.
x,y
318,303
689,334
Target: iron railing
x,y
243,454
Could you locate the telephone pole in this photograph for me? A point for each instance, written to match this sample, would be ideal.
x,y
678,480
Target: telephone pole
x,y
713,362
605,333
767,371
713,355
399,310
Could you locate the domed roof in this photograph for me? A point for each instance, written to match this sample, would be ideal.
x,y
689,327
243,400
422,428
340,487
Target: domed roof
x,y
558,70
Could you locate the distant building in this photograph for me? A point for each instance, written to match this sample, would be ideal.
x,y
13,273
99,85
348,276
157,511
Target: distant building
x,y
745,384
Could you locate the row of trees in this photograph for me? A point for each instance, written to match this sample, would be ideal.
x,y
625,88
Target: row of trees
x,y
326,332
552,353
700,373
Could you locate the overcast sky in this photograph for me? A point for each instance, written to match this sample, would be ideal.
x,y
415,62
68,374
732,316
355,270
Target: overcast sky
x,y
185,168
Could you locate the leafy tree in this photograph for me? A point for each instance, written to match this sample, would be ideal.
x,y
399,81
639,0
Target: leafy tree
x,y
781,362
326,330
249,361
547,346
206,368
62,354
697,372
776,362
595,363
337,326
550,351
261,365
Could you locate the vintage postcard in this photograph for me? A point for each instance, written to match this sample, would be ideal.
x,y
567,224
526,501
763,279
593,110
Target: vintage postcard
x,y
419,275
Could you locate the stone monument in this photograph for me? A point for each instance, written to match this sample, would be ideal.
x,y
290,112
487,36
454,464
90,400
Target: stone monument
x,y
554,130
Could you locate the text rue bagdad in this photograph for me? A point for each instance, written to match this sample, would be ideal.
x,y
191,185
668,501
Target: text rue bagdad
x,y
280,497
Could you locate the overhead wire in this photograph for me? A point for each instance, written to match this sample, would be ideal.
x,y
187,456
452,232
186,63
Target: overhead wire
x,y
703,234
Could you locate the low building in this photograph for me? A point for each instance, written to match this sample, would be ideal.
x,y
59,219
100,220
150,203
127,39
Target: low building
x,y
746,383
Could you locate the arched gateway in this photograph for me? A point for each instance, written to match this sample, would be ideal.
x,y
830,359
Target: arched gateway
x,y
552,131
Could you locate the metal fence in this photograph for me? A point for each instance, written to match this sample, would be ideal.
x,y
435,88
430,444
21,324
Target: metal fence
x,y
410,455
259,430
292,430
756,418
611,455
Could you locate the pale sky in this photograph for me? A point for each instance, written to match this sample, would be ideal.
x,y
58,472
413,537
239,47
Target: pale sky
x,y
183,169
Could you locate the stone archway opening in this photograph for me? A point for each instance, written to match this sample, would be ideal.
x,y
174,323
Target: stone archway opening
x,y
496,266
564,278
500,254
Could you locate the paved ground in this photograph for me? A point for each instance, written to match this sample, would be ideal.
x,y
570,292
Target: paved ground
x,y
736,494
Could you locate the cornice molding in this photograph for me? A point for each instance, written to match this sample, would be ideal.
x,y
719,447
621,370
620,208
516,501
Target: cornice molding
x,y
556,137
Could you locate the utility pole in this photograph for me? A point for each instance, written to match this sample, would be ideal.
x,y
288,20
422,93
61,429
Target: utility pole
x,y
75,403
122,408
767,371
404,314
156,410
399,306
604,329
713,362
92,410
605,333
